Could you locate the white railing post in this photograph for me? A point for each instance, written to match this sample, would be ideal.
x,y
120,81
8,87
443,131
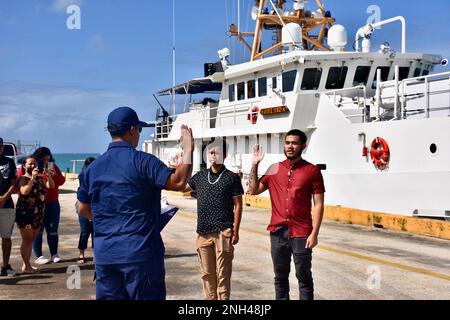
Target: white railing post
x,y
378,93
397,76
403,101
427,97
364,103
449,96
203,116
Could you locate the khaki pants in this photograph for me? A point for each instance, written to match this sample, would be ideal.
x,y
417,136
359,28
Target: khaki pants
x,y
215,253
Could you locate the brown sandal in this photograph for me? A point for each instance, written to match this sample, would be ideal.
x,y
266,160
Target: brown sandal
x,y
32,271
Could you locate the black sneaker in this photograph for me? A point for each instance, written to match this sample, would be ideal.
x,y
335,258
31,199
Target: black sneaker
x,y
7,271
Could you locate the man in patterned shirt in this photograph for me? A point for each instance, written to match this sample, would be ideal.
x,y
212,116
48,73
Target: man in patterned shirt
x,y
219,209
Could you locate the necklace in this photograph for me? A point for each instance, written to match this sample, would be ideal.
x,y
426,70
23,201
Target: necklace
x,y
209,177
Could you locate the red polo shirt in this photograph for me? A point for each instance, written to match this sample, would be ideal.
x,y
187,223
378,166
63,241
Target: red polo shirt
x,y
291,189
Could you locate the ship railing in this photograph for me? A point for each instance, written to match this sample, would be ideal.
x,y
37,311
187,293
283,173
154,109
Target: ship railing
x,y
27,147
359,100
209,117
74,165
412,89
163,128
236,110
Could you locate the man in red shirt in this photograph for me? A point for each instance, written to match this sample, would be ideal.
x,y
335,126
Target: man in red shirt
x,y
294,227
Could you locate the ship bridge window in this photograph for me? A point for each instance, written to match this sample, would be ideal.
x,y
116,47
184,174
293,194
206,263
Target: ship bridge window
x,y
403,73
251,89
361,76
336,77
311,79
274,83
384,75
289,80
232,92
241,90
425,72
417,72
262,87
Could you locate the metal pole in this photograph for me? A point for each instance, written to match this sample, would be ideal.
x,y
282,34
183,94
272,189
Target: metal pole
x,y
239,17
381,23
173,60
367,116
397,76
378,92
403,101
427,96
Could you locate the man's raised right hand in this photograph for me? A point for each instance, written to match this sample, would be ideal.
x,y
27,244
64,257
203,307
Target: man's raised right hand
x,y
186,139
258,154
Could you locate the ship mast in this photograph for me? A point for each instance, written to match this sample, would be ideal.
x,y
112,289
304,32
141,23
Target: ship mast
x,y
174,97
265,20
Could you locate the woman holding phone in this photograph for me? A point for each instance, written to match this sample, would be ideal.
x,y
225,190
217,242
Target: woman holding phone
x,y
52,209
33,186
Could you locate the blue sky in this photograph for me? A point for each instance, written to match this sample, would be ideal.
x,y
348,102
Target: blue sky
x,y
58,85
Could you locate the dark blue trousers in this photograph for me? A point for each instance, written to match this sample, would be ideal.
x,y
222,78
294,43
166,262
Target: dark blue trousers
x,y
131,281
86,230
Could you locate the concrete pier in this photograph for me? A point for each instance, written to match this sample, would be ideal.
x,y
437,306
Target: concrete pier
x,y
351,262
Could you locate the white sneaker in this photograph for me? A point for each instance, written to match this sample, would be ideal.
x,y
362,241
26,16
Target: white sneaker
x,y
56,258
42,260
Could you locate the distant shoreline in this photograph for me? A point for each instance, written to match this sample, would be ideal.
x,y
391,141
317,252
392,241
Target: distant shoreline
x,y
63,161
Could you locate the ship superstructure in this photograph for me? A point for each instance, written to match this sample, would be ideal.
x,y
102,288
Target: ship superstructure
x,y
378,122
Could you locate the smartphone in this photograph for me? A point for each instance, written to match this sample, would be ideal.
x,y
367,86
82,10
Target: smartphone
x,y
40,166
51,167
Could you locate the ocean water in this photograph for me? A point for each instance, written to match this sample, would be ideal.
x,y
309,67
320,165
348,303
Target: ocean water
x,y
63,160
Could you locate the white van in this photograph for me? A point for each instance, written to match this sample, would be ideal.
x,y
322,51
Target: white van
x,y
10,150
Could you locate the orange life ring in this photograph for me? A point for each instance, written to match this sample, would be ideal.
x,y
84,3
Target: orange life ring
x,y
379,153
253,115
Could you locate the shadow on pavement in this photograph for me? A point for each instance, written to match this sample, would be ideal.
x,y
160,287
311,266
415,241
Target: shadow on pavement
x,y
63,268
185,255
64,191
24,277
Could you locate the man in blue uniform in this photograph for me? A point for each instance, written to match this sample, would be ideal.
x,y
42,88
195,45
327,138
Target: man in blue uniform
x,y
121,193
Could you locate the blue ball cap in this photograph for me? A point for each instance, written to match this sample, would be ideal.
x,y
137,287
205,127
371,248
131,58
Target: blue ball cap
x,y
124,118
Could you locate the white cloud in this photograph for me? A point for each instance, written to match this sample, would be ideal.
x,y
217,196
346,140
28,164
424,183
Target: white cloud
x,y
61,5
67,119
